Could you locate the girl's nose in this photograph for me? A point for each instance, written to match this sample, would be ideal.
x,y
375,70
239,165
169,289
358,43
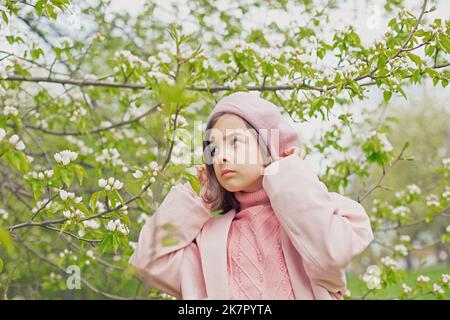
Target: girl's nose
x,y
222,157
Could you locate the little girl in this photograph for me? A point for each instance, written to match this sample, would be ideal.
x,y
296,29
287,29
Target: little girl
x,y
280,234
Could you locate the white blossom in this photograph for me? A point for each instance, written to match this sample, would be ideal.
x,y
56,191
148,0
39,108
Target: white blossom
x,y
372,277
133,244
422,278
233,84
2,134
110,155
111,226
73,214
181,121
432,200
402,211
438,289
413,189
140,140
110,184
347,293
445,194
137,174
91,223
117,225
4,214
16,142
446,163
142,218
66,41
90,254
406,288
387,147
20,145
389,262
153,166
65,157
405,238
445,278
102,183
400,248
400,194
40,205
10,110
64,195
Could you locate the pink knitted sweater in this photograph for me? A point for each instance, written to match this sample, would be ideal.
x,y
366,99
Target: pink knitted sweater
x,y
256,265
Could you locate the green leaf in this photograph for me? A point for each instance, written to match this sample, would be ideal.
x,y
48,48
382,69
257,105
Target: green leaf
x,y
36,53
1,265
112,199
69,56
414,58
126,219
5,17
444,42
5,240
421,33
37,189
382,60
94,198
50,12
141,204
39,5
67,176
107,242
387,95
80,172
118,197
82,208
17,160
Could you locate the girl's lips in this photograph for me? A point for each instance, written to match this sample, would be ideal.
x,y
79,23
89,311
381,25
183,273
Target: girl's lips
x,y
228,174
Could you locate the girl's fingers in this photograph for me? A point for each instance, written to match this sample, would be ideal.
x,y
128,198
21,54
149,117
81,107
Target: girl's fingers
x,y
288,151
295,150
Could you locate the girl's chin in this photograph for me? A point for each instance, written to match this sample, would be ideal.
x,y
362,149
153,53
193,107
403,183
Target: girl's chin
x,y
232,186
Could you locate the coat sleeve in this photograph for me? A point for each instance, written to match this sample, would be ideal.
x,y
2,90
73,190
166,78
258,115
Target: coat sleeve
x,y
165,237
326,228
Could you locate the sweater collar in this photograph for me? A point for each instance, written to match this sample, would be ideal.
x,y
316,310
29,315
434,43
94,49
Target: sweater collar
x,y
249,199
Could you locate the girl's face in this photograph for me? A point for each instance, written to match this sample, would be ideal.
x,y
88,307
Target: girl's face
x,y
233,146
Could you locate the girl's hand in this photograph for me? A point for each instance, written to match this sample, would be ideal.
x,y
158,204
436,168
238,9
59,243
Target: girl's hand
x,y
295,150
202,177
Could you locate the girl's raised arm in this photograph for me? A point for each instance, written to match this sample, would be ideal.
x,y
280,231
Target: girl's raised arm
x,y
167,239
326,228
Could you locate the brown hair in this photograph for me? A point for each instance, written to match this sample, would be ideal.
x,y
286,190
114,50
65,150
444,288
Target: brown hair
x,y
220,198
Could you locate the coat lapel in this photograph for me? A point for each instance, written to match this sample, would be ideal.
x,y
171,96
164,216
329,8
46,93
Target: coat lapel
x,y
214,255
213,250
294,263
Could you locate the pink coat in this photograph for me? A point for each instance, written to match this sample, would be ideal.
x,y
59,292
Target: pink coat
x,y
182,248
